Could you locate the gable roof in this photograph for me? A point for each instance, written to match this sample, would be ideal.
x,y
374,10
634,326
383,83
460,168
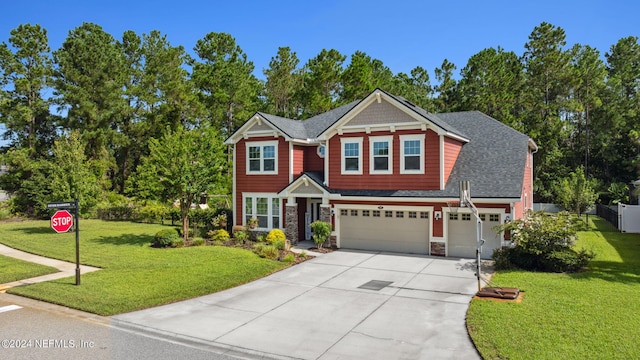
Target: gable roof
x,y
313,127
307,130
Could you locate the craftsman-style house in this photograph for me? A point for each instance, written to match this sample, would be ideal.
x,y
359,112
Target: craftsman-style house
x,y
385,173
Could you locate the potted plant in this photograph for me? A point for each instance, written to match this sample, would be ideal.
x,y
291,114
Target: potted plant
x,y
252,223
220,220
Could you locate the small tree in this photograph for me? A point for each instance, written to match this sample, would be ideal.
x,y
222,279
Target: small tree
x,y
321,231
576,193
182,165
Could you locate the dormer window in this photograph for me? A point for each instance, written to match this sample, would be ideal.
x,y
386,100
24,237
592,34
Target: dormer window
x,y
262,157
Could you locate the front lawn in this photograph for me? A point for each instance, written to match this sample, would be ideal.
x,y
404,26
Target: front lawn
x,y
588,315
14,269
133,276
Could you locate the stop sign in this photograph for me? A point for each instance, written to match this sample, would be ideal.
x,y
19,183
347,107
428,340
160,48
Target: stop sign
x,y
61,221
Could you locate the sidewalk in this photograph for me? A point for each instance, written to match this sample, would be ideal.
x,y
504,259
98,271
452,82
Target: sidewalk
x,y
67,269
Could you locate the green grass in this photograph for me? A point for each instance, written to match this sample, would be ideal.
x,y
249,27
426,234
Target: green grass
x,y
589,315
134,275
14,269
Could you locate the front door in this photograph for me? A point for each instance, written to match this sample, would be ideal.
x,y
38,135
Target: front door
x,y
312,214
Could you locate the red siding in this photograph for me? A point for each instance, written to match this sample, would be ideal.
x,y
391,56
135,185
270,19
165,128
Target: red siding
x,y
452,149
312,162
430,180
259,183
298,160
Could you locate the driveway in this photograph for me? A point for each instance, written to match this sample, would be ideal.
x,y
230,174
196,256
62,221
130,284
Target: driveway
x,y
340,305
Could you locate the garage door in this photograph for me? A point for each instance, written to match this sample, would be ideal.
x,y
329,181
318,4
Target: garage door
x,y
461,237
385,230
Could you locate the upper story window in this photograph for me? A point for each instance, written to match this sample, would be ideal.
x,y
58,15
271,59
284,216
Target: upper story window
x,y
412,154
321,151
262,157
381,154
351,155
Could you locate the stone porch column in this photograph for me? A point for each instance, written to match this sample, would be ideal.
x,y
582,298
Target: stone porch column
x,y
291,219
325,215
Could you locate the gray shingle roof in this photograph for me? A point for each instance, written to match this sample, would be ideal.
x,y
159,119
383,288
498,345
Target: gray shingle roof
x,y
310,128
493,161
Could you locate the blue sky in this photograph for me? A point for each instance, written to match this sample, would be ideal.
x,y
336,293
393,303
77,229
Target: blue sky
x,y
403,34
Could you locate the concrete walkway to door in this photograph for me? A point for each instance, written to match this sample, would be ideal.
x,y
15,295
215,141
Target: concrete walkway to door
x,y
340,305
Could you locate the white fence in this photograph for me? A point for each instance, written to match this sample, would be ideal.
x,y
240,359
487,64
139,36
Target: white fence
x,y
629,218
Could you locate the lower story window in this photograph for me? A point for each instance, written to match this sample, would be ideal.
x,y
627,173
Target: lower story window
x,y
265,208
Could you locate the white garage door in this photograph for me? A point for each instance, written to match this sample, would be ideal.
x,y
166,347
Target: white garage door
x,y
461,237
385,230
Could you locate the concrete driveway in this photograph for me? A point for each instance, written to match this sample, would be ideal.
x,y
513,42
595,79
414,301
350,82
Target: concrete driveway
x,y
329,308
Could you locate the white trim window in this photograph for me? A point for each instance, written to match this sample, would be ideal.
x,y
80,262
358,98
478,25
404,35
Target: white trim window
x,y
412,154
351,156
265,207
262,157
381,155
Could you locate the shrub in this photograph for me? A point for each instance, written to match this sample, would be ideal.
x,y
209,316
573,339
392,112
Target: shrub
x,y
321,231
261,237
289,258
502,258
165,238
240,236
274,235
266,251
219,235
566,260
279,244
150,212
542,242
177,242
198,242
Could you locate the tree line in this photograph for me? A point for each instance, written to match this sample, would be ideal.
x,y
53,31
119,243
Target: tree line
x,y
82,120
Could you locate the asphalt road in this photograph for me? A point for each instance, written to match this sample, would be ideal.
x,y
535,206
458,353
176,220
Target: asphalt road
x,y
36,330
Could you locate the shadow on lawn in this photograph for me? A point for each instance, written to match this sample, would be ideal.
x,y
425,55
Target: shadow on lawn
x,y
628,248
36,230
125,239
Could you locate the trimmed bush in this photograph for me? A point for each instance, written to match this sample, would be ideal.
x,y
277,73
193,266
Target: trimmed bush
x,y
165,238
275,235
220,235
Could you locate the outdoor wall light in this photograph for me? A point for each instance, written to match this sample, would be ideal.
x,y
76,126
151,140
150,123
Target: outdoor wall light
x,y
380,207
438,215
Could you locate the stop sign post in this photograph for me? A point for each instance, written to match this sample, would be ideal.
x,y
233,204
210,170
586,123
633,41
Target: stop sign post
x,y
62,221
